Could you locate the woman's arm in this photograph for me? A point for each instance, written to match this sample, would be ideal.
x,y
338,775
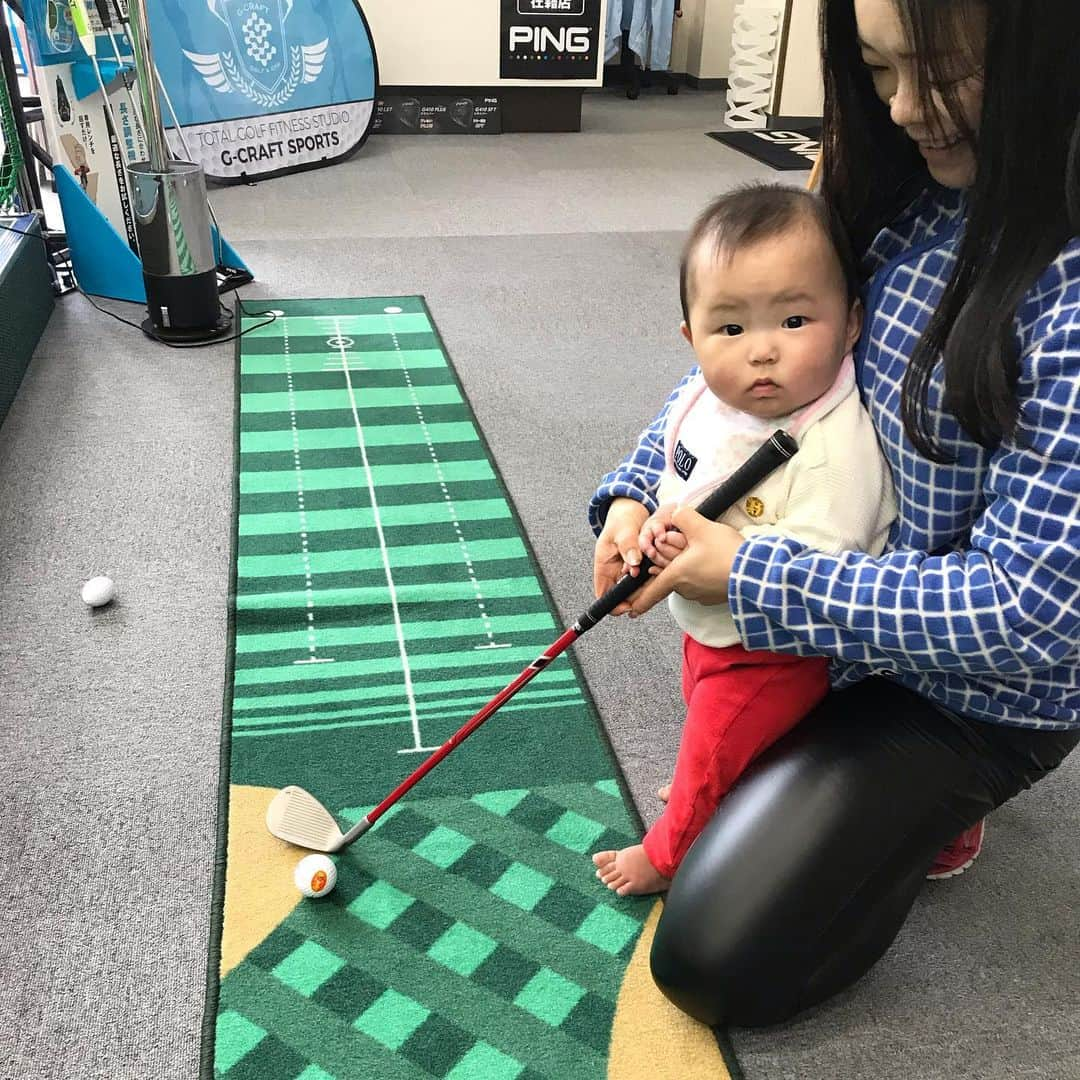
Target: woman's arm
x,y
1007,603
638,475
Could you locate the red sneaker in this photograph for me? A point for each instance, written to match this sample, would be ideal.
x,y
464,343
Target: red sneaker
x,y
957,855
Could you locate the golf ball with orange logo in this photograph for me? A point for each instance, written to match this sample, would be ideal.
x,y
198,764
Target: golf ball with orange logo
x,y
315,875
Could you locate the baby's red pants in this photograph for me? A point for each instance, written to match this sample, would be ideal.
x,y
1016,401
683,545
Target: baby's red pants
x,y
738,703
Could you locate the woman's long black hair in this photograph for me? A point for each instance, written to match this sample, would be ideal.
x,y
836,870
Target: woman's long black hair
x,y
1022,207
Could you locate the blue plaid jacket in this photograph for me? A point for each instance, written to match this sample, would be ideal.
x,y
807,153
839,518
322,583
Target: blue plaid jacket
x,y
975,603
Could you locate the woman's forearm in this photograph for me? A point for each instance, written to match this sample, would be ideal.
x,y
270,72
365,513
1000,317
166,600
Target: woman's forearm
x,y
905,611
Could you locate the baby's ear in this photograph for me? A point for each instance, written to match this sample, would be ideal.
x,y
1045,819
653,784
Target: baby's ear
x,y
685,331
854,324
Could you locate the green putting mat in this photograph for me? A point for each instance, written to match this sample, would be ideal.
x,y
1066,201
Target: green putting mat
x,y
384,591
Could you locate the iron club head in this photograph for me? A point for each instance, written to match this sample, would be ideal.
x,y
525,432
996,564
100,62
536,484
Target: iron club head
x,y
296,816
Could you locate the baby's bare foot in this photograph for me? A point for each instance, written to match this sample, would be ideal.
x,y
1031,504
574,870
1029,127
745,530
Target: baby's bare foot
x,y
628,872
664,793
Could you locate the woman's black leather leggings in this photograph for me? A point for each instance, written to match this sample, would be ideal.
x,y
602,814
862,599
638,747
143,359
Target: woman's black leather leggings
x,y
807,871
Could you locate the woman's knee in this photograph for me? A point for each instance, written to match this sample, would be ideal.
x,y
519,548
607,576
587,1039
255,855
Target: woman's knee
x,y
699,985
727,947
737,943
717,982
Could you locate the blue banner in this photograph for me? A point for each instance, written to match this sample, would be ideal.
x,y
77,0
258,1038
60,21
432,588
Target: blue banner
x,y
261,87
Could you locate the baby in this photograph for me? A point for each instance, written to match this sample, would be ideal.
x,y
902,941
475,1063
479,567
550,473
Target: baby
x,y
771,310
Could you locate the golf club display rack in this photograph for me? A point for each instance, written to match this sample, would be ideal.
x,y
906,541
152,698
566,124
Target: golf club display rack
x,y
27,111
32,260
83,244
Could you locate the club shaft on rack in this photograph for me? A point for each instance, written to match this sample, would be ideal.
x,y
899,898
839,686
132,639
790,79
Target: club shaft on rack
x,y
106,21
778,449
118,155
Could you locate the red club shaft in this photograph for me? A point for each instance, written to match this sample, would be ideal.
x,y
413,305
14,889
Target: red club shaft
x,y
459,736
776,450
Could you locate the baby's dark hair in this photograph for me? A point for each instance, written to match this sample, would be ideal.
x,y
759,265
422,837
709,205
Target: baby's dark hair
x,y
758,211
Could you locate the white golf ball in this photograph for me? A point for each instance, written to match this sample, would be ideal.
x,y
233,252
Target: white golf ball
x,y
315,875
98,591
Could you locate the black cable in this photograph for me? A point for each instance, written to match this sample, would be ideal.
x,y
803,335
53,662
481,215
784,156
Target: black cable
x,y
127,322
189,344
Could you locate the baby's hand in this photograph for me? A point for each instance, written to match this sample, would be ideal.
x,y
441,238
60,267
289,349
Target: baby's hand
x,y
659,539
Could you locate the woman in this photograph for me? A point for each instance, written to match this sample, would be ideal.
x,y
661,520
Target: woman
x,y
951,156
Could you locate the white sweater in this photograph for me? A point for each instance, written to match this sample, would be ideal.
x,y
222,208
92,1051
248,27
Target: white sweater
x,y
834,495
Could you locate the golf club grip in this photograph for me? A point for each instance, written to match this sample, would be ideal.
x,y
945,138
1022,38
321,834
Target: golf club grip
x,y
779,448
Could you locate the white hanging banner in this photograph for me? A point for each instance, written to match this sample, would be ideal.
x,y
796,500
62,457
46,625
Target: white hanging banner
x,y
754,40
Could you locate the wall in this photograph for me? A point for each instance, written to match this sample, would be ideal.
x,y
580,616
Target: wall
x,y
801,92
435,43
701,41
701,47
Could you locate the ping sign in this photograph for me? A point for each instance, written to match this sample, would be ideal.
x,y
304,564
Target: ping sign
x,y
544,39
549,39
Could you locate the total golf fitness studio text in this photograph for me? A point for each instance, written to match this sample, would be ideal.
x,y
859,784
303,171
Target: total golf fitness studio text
x,y
259,143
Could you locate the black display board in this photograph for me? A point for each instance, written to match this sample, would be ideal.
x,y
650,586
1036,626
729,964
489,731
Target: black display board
x,y
549,39
438,114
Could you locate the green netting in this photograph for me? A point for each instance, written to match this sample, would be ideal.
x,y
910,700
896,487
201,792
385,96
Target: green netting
x,y
11,159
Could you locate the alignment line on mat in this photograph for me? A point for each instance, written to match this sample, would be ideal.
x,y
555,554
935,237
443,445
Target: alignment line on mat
x,y
451,509
405,669
309,594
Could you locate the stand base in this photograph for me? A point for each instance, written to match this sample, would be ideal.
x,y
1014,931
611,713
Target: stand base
x,y
192,336
184,309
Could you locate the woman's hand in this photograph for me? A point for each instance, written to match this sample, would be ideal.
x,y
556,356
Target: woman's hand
x,y
617,548
701,571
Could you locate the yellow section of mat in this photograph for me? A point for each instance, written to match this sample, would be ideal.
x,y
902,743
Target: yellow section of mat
x,y
650,1037
261,893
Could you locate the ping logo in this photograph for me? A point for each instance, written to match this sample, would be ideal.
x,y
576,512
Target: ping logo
x,y
683,461
538,39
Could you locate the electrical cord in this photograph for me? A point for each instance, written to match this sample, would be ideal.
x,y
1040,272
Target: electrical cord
x,y
127,322
191,344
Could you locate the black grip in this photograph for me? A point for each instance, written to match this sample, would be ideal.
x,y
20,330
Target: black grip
x,y
779,448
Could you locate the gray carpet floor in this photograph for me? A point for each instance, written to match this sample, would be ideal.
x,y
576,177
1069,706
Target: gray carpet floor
x,y
549,263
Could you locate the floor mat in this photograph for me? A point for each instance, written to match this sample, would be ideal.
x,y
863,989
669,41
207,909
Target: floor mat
x,y
783,150
383,592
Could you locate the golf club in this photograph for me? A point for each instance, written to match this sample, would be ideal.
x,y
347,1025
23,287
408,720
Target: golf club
x,y
296,816
122,19
87,39
125,77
